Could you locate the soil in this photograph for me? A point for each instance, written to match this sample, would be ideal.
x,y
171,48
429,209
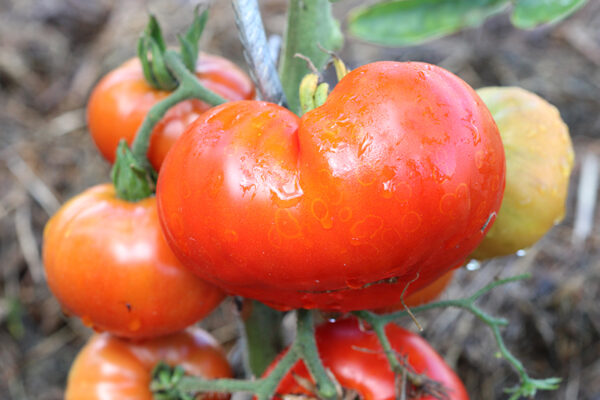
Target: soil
x,y
53,52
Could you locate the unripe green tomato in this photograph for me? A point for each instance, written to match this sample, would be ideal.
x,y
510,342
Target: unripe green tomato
x,y
539,159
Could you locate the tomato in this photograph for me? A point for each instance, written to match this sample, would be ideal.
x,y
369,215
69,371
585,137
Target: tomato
x,y
356,359
121,100
422,296
399,174
108,368
107,261
539,160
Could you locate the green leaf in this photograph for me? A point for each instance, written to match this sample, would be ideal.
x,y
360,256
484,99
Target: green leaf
x,y
409,22
310,29
530,13
262,335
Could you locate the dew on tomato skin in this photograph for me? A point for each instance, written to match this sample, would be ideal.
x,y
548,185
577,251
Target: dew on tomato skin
x,y
320,211
345,214
286,224
354,283
411,222
388,189
367,227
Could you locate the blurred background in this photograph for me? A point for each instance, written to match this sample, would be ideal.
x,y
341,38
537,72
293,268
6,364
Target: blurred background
x,y
53,52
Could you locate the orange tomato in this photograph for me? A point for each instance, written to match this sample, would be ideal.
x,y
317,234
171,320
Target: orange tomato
x,y
122,99
107,262
108,368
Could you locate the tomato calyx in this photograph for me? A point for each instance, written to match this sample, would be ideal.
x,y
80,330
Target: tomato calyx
x,y
133,178
165,380
312,93
152,47
164,69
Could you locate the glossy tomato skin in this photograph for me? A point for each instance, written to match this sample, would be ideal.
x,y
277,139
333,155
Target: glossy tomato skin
x,y
396,175
356,359
107,262
121,100
109,368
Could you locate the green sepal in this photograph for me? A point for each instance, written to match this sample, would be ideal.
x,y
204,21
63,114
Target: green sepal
x,y
189,41
133,180
155,70
321,94
153,31
165,80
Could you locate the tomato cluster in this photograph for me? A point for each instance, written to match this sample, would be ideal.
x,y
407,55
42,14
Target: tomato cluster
x,y
369,201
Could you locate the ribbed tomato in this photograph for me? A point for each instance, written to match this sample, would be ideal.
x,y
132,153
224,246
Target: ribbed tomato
x,y
398,175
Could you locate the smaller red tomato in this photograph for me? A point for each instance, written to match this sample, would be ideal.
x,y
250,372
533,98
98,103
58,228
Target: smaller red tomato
x,y
120,102
108,368
358,362
107,261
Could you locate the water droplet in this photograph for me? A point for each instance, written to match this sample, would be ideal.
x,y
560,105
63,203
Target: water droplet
x,y
473,265
332,320
388,189
354,283
521,253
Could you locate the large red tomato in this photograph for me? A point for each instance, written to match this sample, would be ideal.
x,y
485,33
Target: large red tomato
x,y
400,173
108,368
355,357
122,99
107,262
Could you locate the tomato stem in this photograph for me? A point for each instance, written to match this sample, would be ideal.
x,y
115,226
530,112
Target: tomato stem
x,y
133,176
310,29
189,88
310,354
261,334
527,387
304,347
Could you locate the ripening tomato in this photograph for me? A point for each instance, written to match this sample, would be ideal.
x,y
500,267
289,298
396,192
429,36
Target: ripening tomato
x,y
356,359
121,100
399,174
107,262
539,160
108,368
